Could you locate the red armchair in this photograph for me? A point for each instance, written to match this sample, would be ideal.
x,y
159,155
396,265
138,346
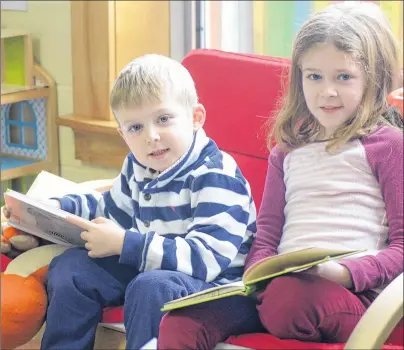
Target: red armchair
x,y
240,92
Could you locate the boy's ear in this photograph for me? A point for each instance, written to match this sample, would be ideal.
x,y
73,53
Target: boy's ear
x,y
199,116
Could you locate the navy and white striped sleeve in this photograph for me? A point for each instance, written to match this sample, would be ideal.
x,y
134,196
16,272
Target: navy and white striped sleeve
x,y
115,204
220,206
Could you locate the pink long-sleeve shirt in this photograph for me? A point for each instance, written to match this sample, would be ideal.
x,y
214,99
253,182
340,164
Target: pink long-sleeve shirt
x,y
349,199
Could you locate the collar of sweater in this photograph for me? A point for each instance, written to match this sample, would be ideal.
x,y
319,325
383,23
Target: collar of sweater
x,y
193,154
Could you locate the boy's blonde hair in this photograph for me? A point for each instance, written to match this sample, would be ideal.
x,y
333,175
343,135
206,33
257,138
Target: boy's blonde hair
x,y
150,78
362,31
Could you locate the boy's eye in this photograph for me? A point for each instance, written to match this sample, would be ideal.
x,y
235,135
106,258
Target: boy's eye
x,y
344,76
164,119
314,76
134,128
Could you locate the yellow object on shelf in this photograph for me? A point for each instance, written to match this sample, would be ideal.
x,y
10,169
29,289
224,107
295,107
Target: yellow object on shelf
x,y
17,59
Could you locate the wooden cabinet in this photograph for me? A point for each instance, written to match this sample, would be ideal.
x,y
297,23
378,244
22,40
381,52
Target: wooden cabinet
x,y
106,35
141,27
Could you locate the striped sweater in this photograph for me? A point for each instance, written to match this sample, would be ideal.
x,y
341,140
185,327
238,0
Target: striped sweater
x,y
197,217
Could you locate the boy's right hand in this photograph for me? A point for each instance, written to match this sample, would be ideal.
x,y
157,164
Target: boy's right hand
x,y
49,202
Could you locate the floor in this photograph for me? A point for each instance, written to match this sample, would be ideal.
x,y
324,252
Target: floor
x,y
34,344
105,339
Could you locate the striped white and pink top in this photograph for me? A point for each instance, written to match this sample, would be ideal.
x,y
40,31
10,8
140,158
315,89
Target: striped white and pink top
x,y
349,199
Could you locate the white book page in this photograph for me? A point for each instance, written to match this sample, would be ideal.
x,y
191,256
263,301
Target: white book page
x,y
48,185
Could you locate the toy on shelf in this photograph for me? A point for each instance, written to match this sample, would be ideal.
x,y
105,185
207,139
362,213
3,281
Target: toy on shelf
x,y
29,138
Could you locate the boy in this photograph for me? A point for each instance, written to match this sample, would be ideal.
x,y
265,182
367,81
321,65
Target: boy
x,y
178,219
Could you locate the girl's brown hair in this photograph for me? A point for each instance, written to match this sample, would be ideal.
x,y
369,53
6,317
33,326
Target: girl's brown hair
x,y
362,31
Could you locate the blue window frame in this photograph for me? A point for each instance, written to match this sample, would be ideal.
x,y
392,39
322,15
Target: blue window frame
x,y
21,126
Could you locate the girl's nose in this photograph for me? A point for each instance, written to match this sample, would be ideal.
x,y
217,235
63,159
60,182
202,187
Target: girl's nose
x,y
329,91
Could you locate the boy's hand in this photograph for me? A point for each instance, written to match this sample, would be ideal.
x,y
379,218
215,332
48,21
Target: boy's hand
x,y
333,271
6,212
103,236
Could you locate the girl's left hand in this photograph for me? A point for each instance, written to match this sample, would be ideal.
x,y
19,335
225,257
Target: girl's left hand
x,y
333,271
103,236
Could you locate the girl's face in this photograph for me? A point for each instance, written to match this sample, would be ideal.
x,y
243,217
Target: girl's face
x,y
333,85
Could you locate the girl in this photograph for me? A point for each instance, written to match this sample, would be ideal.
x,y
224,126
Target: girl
x,y
335,179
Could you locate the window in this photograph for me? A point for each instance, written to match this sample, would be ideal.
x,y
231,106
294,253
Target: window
x,y
268,27
227,25
21,128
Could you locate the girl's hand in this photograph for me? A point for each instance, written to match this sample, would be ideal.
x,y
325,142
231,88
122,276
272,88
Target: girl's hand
x,y
333,271
103,236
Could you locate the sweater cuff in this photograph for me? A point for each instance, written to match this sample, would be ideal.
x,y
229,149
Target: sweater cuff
x,y
358,280
66,204
133,249
256,255
253,260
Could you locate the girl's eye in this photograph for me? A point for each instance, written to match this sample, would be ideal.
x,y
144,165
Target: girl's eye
x,y
314,76
135,128
344,76
164,119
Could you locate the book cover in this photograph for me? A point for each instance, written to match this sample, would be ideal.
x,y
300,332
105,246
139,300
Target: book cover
x,y
265,269
30,215
40,220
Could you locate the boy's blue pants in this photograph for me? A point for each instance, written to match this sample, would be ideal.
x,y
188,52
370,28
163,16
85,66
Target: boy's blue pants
x,y
80,287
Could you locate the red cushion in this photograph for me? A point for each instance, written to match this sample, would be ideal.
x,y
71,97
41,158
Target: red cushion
x,y
254,169
397,336
267,341
5,260
239,92
113,315
238,97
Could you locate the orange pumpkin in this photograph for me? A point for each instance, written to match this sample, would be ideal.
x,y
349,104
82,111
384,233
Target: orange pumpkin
x,y
23,307
23,295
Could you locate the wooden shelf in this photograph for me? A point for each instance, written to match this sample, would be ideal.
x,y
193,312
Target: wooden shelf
x,y
96,141
16,93
23,168
11,33
80,123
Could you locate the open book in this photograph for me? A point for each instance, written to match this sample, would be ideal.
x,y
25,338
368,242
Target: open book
x,y
30,215
262,270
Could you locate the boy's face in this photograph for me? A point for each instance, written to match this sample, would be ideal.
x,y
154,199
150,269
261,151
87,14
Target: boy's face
x,y
158,134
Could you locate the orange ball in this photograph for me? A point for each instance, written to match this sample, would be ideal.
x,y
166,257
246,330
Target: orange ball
x,y
23,307
10,232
